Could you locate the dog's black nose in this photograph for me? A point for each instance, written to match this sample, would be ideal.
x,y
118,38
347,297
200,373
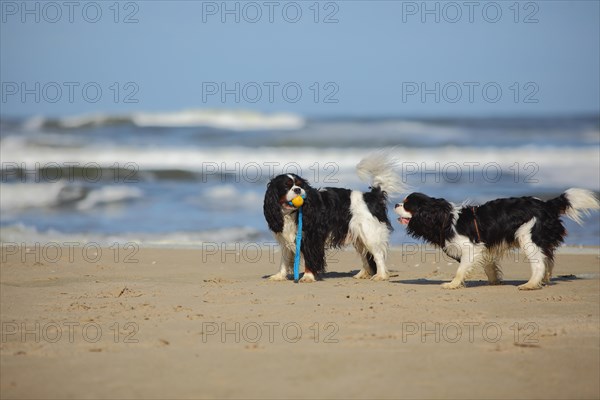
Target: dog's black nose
x,y
397,205
297,190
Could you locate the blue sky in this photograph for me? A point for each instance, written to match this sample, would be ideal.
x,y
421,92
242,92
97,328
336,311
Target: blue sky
x,y
376,58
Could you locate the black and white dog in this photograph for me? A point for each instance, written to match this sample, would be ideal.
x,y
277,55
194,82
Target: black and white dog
x,y
480,235
334,217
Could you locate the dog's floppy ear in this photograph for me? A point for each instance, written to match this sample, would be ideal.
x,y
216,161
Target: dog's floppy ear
x,y
432,221
272,209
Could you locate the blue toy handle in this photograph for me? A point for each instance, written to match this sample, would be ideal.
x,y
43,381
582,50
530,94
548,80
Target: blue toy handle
x,y
298,243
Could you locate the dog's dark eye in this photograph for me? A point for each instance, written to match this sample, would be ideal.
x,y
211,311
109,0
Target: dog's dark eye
x,y
298,183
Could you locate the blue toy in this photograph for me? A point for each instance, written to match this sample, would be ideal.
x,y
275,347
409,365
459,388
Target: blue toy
x,y
297,202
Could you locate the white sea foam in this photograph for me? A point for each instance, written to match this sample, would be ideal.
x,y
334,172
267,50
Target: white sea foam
x,y
109,195
233,120
22,196
549,166
228,196
22,234
389,130
221,119
30,195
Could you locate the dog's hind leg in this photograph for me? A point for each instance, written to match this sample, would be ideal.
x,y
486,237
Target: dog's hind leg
x,y
493,272
549,268
538,267
379,260
375,239
534,254
366,270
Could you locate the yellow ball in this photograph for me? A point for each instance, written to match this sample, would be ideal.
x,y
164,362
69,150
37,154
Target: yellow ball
x,y
297,201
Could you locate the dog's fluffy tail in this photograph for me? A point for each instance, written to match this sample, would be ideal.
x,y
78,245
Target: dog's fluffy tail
x,y
574,203
378,169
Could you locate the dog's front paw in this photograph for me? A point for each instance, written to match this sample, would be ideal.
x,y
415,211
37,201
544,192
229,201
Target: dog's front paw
x,y
452,285
278,277
362,274
308,277
380,277
529,286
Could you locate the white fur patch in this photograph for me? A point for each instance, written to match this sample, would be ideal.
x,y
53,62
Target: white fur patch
x,y
287,237
534,254
581,201
367,232
378,169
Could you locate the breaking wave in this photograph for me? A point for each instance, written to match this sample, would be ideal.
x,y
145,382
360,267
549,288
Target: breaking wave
x,y
218,119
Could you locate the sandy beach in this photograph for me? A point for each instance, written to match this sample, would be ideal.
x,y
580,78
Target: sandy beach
x,y
205,323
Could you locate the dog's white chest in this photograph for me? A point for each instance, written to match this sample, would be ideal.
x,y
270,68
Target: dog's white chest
x,y
287,237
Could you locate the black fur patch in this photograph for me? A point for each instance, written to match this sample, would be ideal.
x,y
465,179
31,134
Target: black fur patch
x,y
376,201
431,218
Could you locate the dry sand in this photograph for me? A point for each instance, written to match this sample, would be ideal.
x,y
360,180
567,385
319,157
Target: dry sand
x,y
107,328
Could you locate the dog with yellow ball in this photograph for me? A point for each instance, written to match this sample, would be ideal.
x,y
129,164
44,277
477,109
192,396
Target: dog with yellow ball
x,y
333,218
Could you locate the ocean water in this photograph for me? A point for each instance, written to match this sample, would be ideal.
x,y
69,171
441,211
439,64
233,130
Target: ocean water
x,y
197,176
